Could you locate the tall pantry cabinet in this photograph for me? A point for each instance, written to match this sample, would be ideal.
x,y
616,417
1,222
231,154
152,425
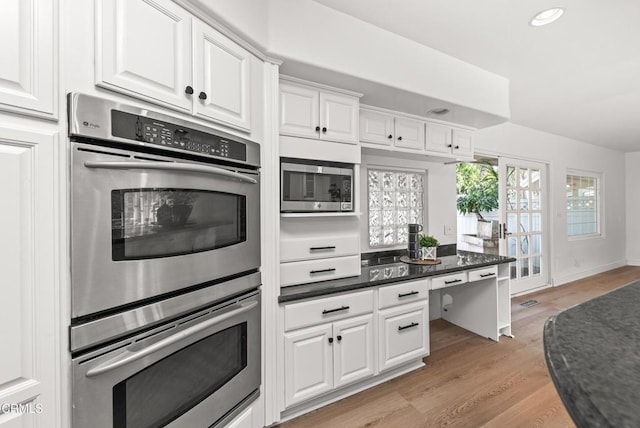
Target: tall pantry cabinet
x,y
30,215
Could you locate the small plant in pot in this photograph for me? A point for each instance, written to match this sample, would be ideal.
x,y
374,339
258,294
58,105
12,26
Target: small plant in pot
x,y
429,246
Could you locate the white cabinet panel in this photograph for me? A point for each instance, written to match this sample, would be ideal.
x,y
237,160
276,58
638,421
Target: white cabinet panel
x,y
319,270
28,54
338,118
353,350
308,363
376,127
145,48
28,308
462,142
299,111
223,71
319,247
448,280
409,133
438,138
404,334
405,292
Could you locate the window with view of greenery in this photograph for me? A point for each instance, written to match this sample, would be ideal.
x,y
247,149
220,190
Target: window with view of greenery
x,y
583,204
395,200
477,185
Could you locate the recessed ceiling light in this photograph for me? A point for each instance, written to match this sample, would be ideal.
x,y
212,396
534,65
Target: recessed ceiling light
x,y
438,111
547,16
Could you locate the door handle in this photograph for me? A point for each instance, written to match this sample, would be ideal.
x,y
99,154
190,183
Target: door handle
x,y
127,356
503,231
172,166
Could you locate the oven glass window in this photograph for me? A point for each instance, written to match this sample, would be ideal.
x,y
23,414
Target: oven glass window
x,y
152,223
306,186
165,390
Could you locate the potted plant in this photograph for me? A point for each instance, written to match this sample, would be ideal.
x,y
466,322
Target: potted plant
x,y
429,246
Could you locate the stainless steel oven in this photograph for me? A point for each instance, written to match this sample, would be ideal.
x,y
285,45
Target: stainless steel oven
x,y
159,206
315,186
198,370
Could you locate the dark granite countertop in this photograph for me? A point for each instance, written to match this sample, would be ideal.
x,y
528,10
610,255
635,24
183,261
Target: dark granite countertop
x,y
593,354
372,276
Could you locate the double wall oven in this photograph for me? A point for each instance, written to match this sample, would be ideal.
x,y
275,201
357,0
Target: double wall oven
x,y
165,257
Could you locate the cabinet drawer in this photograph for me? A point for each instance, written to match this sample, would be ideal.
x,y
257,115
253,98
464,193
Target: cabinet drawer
x,y
480,274
403,293
318,270
404,334
328,309
294,249
448,280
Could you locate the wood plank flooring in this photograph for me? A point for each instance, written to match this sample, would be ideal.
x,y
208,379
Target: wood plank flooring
x,y
469,381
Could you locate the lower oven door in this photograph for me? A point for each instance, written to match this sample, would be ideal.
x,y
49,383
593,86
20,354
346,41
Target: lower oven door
x,y
190,373
144,226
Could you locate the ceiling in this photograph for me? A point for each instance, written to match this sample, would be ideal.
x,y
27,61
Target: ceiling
x,y
578,77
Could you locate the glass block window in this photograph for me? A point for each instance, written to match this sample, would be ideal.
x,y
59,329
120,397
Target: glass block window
x,y
583,204
395,200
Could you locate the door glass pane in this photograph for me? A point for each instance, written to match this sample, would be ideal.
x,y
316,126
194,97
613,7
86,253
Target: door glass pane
x,y
535,244
536,222
524,245
165,390
535,179
150,223
524,267
524,223
535,265
511,199
535,199
513,271
524,199
524,177
512,222
511,176
511,246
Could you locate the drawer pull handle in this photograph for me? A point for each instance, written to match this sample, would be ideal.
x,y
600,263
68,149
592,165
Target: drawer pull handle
x,y
329,311
330,247
411,293
404,327
312,272
453,281
484,275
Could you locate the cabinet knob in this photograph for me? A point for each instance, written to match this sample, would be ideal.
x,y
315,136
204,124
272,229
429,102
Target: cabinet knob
x,y
449,145
400,138
202,96
456,147
188,90
317,129
339,338
331,340
324,130
390,136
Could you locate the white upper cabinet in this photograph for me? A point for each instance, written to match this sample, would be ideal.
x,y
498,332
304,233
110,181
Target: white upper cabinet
x,y
156,51
376,127
28,54
222,75
409,133
462,142
306,111
144,49
448,139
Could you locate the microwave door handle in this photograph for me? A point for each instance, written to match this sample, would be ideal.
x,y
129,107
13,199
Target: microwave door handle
x,y
171,166
127,357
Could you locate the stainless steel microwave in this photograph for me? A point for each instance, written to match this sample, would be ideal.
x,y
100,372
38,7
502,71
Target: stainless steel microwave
x,y
315,186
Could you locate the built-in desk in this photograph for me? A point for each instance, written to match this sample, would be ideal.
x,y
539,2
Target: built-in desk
x,y
593,355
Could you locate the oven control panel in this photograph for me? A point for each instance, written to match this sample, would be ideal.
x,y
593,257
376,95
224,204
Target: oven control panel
x,y
165,134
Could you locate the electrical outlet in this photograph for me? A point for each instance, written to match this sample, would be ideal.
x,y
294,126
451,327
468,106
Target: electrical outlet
x,y
448,230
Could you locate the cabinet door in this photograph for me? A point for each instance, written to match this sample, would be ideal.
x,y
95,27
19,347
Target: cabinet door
x,y
299,111
462,143
222,78
438,138
339,118
353,350
29,307
376,127
404,334
409,133
28,80
308,362
144,50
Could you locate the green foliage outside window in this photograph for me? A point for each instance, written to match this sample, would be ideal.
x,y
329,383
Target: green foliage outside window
x,y
477,185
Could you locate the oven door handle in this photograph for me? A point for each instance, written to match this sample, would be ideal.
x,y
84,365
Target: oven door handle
x,y
171,166
128,357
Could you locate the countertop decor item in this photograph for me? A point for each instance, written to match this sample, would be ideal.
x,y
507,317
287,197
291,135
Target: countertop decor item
x,y
429,246
406,259
593,354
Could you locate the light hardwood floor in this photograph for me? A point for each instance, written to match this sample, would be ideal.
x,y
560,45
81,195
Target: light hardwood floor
x,y
469,381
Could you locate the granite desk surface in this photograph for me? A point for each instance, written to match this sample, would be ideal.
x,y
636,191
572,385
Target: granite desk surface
x,y
593,354
372,276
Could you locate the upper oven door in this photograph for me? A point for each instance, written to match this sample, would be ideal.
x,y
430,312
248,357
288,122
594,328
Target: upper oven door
x,y
143,226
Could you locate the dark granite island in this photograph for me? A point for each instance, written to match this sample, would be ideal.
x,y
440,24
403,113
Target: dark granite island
x,y
593,354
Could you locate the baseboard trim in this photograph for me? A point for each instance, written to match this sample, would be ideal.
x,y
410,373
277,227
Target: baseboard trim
x,y
589,272
633,262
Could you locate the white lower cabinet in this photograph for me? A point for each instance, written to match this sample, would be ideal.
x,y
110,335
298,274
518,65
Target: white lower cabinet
x,y
321,358
404,334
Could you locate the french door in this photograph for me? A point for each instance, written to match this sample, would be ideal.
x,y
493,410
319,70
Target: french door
x,y
523,230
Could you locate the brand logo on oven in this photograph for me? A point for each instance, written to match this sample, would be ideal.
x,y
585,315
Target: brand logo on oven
x,y
90,125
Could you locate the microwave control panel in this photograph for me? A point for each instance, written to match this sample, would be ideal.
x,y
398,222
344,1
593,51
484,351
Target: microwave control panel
x,y
164,134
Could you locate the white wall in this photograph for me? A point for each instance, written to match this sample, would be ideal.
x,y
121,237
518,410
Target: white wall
x,y
570,260
314,34
441,196
632,168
